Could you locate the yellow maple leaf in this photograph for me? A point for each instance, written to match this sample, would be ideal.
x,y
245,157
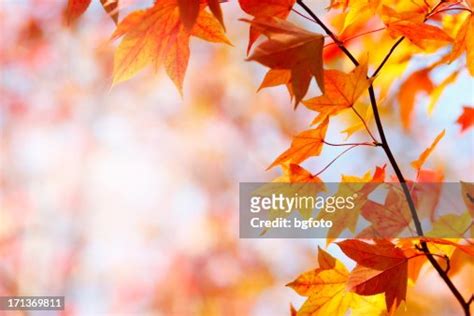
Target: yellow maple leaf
x,y
327,292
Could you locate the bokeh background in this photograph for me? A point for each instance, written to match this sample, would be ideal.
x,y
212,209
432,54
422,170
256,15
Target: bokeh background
x,y
125,199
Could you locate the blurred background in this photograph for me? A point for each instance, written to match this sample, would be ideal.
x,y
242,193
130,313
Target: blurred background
x,y
125,199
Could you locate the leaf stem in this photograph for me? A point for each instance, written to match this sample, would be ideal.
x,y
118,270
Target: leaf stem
x,y
384,144
336,158
365,125
348,144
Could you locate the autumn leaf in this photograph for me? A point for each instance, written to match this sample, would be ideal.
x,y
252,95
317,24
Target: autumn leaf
x,y
265,9
360,12
414,28
157,36
293,48
466,248
464,41
304,145
327,293
418,163
74,9
416,261
466,119
188,12
341,91
387,220
417,82
298,174
275,77
451,225
351,186
112,8
382,268
359,124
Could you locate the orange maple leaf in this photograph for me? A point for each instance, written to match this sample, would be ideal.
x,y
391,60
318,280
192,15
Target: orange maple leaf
x,y
75,8
275,77
467,248
388,219
157,36
189,11
418,163
265,8
341,91
304,145
293,48
381,268
298,174
417,82
412,26
466,119
464,41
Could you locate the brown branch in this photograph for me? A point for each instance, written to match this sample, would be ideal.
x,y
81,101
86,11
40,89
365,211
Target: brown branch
x,y
391,157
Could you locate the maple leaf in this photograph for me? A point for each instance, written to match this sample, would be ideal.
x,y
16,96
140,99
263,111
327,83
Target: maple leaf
x,y
275,77
359,125
75,8
360,12
416,261
264,9
466,119
341,91
298,174
189,11
293,48
418,163
451,225
417,82
388,219
327,294
427,195
412,27
157,36
304,145
464,41
467,248
381,268
351,186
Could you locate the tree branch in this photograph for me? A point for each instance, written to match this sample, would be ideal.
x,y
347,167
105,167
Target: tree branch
x,y
391,157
